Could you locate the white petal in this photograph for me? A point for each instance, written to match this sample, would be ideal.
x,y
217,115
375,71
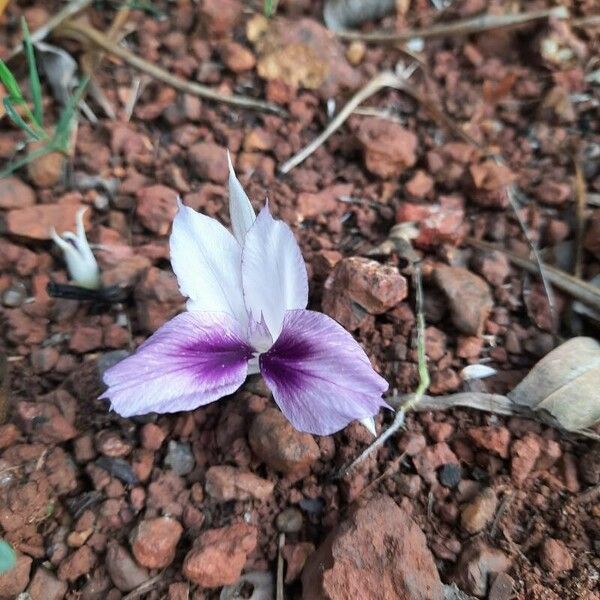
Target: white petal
x,y
207,261
82,269
273,272
83,245
477,372
369,424
240,210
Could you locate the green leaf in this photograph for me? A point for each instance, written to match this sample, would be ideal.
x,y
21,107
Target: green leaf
x,y
18,120
34,79
13,166
10,83
8,557
60,138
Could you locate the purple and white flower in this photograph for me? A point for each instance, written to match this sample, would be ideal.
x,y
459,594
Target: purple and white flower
x,y
246,313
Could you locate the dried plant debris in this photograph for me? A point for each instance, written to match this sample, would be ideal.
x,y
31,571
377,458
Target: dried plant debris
x,y
344,14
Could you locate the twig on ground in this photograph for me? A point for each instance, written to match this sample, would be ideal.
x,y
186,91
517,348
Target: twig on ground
x,y
145,587
458,28
86,33
421,388
579,289
279,589
579,219
506,500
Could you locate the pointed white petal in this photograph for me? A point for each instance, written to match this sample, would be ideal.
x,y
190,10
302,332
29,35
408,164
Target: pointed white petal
x,y
369,424
240,210
207,261
477,372
82,270
273,271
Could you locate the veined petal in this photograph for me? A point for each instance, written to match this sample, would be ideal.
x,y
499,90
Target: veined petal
x,y
207,261
273,271
319,375
192,360
240,210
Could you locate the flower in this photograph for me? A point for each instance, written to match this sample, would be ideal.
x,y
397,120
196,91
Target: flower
x,y
81,264
246,313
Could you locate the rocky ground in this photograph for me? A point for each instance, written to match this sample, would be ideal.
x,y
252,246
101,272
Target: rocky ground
x,y
178,506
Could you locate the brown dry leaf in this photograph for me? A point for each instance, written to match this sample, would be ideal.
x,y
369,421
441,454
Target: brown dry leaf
x,y
566,384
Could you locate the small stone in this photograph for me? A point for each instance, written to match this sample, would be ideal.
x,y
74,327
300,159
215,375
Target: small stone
x,y
14,295
494,439
468,296
554,193
591,241
435,343
275,441
492,265
589,466
358,286
411,443
219,18
478,513
289,521
14,581
157,298
209,161
179,591
153,542
44,422
295,556
81,562
389,149
450,475
419,185
46,170
156,208
152,436
44,359
111,444
312,204
432,458
525,452
237,58
125,573
15,194
356,52
555,557
180,458
476,564
226,483
469,346
378,552
219,555
46,586
502,588
85,339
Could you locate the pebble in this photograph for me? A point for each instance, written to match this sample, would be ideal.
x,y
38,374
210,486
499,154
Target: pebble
x,y
124,572
219,555
156,206
209,161
355,561
492,265
152,436
591,241
478,513
225,483
81,562
275,441
15,194
237,58
502,587
13,582
289,520
477,563
524,454
180,458
111,444
219,18
295,556
450,475
154,541
14,295
589,466
45,586
432,458
493,439
555,557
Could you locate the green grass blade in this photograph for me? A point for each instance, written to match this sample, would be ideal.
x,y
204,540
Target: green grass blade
x,y
60,139
12,167
34,79
10,83
18,120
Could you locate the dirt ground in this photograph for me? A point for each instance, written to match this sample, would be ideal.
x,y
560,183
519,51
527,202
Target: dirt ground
x,y
176,506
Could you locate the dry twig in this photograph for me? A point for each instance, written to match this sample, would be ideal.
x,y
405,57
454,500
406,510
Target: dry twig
x,y
85,33
579,219
279,584
144,588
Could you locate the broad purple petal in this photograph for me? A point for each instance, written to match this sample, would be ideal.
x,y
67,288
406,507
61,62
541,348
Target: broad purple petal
x,y
240,210
192,360
319,375
207,261
273,271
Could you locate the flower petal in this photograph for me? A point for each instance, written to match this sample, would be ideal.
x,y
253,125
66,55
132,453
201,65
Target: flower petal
x,y
319,375
240,210
192,360
273,271
207,261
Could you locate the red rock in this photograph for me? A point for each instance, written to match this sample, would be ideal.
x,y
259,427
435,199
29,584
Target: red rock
x,y
490,180
440,431
432,458
81,562
219,555
389,149
15,194
275,441
225,483
478,513
419,185
127,272
237,58
219,18
258,139
411,443
35,222
115,336
9,434
554,193
295,556
111,444
45,586
468,297
438,223
356,560
157,299
152,436
47,170
591,241
209,161
124,572
44,422
154,541
311,205
435,343
477,563
525,452
493,266
85,339
358,286
555,557
44,359
494,439
179,591
156,208
13,582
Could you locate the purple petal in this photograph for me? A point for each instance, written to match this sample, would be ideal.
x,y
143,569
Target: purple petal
x,y
273,271
192,360
207,261
240,210
319,375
